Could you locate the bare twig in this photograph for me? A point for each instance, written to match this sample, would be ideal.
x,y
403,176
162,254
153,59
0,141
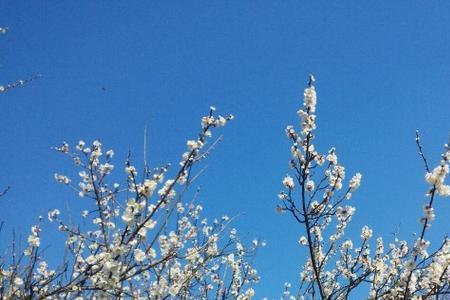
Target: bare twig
x,y
5,191
419,146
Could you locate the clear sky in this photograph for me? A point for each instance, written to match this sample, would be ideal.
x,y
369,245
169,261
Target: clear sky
x,y
110,68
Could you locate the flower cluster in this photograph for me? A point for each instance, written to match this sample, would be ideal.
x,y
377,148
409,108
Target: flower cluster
x,y
436,178
335,267
140,241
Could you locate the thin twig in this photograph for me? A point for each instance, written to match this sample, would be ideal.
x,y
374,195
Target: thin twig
x,y
210,149
421,151
5,191
145,152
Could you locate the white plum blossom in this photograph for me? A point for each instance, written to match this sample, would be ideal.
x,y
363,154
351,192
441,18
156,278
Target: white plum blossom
x,y
18,281
62,178
303,241
309,185
437,178
33,240
366,233
288,182
139,255
355,182
53,214
310,99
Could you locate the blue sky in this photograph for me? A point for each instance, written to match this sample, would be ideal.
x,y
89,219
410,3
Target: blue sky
x,y
382,70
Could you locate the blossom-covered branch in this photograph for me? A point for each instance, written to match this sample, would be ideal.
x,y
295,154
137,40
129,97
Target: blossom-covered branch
x,y
315,195
4,88
141,240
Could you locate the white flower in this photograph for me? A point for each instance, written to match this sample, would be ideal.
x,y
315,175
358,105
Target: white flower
x,y
139,255
18,281
310,99
91,259
131,170
34,240
290,131
332,158
437,178
142,233
221,121
430,178
62,178
443,190
80,145
109,154
127,217
282,196
53,214
355,182
303,241
428,212
193,145
64,148
150,224
206,121
288,182
106,168
309,185
151,253
366,233
167,190
148,187
348,244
